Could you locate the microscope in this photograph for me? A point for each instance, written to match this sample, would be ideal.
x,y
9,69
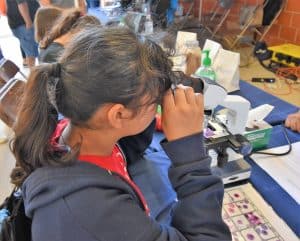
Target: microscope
x,y
225,121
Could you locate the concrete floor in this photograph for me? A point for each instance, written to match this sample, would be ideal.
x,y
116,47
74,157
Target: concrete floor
x,y
288,91
10,49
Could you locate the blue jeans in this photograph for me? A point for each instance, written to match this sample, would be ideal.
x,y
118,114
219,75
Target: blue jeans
x,y
92,3
1,55
27,42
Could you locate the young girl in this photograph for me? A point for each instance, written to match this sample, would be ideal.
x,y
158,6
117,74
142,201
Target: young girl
x,y
44,20
74,175
68,24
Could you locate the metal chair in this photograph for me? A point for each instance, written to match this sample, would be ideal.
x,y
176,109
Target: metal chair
x,y
10,98
259,30
11,90
218,15
9,69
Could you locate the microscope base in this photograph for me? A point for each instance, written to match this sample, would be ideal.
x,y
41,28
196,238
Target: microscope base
x,y
233,171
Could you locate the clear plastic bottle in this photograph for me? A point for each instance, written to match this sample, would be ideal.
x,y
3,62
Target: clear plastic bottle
x,y
148,25
206,70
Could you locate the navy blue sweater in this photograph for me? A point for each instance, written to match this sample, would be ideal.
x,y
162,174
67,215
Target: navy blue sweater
x,y
85,202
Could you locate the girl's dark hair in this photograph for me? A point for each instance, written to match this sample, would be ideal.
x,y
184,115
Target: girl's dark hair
x,y
70,20
100,65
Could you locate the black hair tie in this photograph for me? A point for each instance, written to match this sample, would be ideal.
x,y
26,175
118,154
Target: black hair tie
x,y
56,70
52,84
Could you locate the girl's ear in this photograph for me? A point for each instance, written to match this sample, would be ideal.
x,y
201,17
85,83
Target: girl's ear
x,y
118,115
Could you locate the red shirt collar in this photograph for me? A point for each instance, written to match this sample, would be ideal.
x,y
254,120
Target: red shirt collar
x,y
115,163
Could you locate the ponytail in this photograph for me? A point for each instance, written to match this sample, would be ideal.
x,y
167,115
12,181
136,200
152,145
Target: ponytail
x,y
36,122
61,26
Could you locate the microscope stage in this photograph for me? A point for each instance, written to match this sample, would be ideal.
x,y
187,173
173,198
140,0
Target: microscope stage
x,y
233,171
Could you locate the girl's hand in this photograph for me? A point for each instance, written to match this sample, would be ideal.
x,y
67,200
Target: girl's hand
x,y
182,113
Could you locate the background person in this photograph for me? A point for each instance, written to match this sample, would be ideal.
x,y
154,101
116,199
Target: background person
x,y
92,3
20,15
45,17
81,4
69,23
1,55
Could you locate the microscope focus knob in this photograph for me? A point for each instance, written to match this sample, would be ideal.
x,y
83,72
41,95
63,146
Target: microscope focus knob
x,y
242,144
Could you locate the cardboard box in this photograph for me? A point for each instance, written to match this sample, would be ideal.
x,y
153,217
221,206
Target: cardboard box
x,y
259,137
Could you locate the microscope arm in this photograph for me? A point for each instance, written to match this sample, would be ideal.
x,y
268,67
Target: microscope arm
x,y
213,93
236,110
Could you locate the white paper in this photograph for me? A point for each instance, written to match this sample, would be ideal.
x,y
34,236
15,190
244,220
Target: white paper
x,y
226,65
181,39
285,170
258,114
227,72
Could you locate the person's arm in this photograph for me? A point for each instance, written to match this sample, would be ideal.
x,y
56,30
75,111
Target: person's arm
x,y
197,214
293,121
45,2
81,4
24,11
199,192
112,213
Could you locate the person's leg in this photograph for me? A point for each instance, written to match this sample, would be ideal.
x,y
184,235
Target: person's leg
x,y
1,55
23,57
27,42
93,3
88,4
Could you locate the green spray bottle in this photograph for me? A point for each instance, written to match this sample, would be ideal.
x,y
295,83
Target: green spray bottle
x,y
205,70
